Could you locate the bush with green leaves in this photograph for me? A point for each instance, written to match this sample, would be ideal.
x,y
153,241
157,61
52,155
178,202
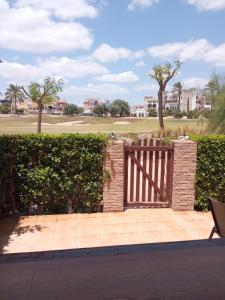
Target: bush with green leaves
x,y
207,113
52,173
217,117
210,178
178,114
72,109
152,113
193,114
101,110
120,107
5,109
168,112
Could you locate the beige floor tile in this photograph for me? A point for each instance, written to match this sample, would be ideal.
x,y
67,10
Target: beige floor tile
x,y
137,226
114,239
87,241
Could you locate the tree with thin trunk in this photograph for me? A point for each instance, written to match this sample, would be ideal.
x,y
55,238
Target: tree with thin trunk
x,y
42,94
120,107
215,86
163,74
178,88
14,95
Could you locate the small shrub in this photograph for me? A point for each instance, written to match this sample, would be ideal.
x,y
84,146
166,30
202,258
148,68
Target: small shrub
x,y
178,114
4,109
207,113
168,112
152,113
193,114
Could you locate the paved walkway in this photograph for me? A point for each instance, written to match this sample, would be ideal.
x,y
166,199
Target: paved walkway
x,y
44,233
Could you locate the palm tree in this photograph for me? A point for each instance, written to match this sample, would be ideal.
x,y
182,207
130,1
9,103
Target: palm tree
x,y
178,87
14,94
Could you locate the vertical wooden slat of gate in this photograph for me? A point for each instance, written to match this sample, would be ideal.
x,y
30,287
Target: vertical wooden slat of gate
x,y
150,171
169,175
138,174
126,177
144,167
132,177
156,171
163,156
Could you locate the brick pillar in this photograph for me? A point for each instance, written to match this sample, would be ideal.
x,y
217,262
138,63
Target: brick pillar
x,y
113,195
184,171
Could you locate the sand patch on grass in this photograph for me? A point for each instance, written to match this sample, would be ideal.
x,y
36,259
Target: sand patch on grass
x,y
71,123
121,123
43,123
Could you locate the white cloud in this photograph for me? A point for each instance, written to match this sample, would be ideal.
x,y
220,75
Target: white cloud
x,y
34,30
193,49
97,90
106,53
140,64
146,88
201,50
216,56
56,67
195,82
207,4
63,9
141,4
120,77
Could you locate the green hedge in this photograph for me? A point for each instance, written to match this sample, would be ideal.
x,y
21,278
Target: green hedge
x,y
45,174
210,177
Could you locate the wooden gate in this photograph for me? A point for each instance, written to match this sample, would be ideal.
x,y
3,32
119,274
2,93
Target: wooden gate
x,y
148,174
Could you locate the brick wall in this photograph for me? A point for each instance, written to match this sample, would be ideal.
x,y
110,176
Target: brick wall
x,y
113,195
184,171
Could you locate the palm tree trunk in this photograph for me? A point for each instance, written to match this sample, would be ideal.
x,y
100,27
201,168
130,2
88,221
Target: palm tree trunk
x,y
40,108
15,105
12,107
160,109
188,102
179,101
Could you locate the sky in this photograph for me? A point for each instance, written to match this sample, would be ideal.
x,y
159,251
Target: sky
x,y
107,48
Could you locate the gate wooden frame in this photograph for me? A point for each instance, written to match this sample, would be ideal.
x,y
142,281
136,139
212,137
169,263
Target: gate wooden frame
x,y
157,162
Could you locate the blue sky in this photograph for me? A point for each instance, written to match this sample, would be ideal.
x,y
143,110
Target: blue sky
x,y
107,48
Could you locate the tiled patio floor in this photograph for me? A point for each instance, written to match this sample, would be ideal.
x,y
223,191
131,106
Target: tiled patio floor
x,y
139,226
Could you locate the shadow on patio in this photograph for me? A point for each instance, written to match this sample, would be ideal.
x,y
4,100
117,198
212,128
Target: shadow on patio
x,y
13,228
178,270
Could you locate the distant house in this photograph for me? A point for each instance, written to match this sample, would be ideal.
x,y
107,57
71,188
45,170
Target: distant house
x,y
192,99
171,100
151,103
21,105
90,104
138,110
57,107
4,102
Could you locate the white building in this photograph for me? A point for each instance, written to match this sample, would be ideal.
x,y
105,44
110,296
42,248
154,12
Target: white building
x,y
171,100
151,103
138,110
192,99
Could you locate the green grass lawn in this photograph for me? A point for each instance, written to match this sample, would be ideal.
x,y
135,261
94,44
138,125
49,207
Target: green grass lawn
x,y
54,124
